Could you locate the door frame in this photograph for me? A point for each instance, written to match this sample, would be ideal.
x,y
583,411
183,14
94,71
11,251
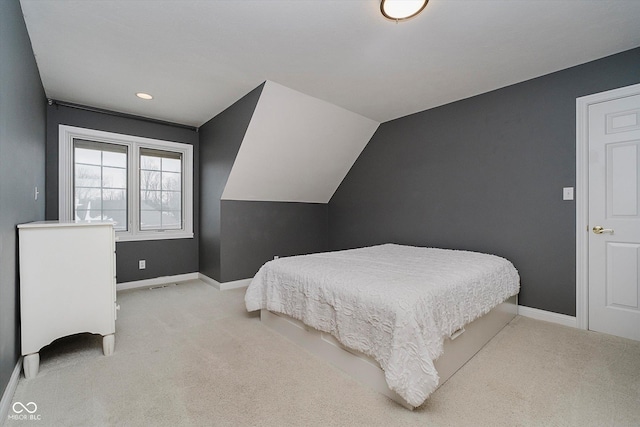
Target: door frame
x,y
582,195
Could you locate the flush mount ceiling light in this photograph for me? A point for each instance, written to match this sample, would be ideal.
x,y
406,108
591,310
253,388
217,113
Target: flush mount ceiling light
x,y
144,95
401,10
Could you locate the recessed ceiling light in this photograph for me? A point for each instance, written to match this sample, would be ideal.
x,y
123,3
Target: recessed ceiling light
x,y
144,95
400,10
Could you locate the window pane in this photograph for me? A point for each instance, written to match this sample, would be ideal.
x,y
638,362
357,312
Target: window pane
x,y
90,157
171,165
150,200
114,159
100,182
160,190
171,181
149,163
114,177
87,198
171,200
171,220
114,199
150,180
150,220
87,176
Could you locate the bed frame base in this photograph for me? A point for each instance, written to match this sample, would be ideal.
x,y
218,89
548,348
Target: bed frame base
x,y
458,349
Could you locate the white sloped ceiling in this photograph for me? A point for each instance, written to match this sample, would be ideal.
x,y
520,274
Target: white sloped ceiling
x,y
296,149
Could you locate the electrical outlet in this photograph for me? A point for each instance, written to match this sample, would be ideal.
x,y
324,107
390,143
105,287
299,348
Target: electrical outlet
x,y
142,264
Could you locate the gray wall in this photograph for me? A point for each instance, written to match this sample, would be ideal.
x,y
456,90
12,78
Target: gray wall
x,y
163,257
253,232
220,140
484,174
22,151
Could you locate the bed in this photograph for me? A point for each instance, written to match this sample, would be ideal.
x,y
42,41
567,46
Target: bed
x,y
390,309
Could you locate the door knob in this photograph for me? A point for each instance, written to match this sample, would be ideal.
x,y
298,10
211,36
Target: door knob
x,y
598,229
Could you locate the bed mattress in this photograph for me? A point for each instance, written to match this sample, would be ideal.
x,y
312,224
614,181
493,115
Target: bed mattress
x,y
393,303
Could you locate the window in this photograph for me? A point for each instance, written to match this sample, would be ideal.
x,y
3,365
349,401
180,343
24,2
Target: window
x,y
100,182
144,186
160,190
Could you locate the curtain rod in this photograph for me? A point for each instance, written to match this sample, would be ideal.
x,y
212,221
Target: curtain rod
x,y
118,114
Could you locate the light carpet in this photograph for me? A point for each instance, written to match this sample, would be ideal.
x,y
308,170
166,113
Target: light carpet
x,y
189,354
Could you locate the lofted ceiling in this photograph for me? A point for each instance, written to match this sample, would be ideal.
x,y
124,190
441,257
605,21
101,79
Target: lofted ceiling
x,y
199,57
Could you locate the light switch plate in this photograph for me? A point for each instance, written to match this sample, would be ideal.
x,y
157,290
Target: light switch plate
x,y
567,193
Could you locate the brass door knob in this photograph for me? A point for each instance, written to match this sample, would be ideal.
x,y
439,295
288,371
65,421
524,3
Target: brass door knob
x,y
598,229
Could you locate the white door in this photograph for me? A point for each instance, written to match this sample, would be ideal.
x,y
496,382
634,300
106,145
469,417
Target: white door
x,y
614,217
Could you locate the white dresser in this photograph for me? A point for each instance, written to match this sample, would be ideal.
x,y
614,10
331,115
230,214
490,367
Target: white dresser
x,y
67,284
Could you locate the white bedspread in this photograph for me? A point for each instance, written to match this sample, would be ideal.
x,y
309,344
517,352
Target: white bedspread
x,y
394,303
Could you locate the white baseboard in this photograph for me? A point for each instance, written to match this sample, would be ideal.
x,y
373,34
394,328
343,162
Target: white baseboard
x,y
10,390
548,316
158,281
225,286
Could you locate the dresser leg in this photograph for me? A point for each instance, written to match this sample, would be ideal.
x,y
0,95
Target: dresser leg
x,y
108,344
31,364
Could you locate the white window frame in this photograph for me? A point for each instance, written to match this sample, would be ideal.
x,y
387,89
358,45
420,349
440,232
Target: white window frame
x,y
66,136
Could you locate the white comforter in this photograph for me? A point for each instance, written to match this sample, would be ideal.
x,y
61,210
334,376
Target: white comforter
x,y
394,303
